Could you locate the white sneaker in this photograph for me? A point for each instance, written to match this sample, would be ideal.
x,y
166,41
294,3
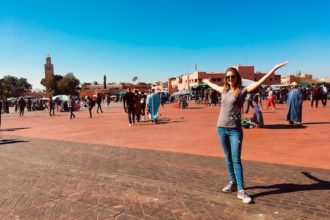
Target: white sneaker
x,y
129,124
244,196
230,187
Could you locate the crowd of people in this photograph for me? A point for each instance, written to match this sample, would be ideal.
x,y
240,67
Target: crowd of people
x,y
31,104
138,105
21,103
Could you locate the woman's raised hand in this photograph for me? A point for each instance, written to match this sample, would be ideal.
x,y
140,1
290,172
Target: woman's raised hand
x,y
276,67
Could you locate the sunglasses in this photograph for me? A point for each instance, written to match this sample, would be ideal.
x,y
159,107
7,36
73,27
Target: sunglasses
x,y
231,77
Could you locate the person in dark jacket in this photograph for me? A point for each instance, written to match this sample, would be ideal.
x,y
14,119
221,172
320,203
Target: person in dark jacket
x,y
51,106
21,105
108,99
71,107
29,105
129,102
99,102
315,95
91,104
143,103
137,106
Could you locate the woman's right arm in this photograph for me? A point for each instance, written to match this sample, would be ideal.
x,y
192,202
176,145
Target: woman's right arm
x,y
252,87
213,86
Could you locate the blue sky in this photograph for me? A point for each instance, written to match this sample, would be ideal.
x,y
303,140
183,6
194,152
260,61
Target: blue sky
x,y
158,39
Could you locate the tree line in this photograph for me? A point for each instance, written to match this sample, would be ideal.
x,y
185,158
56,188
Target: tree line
x,y
11,86
57,84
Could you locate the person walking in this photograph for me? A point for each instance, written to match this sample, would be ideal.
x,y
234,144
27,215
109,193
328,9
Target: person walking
x,y
324,94
129,102
16,105
5,106
153,106
143,103
22,105
99,103
294,103
51,106
29,104
71,103
315,95
270,98
108,99
91,104
229,126
137,106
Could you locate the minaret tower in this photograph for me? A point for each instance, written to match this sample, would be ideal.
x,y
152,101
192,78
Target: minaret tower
x,y
49,68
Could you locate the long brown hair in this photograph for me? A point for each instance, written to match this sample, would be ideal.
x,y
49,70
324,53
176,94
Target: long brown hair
x,y
237,86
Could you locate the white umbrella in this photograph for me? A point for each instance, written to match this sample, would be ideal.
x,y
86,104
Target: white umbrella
x,y
247,82
11,99
181,93
61,98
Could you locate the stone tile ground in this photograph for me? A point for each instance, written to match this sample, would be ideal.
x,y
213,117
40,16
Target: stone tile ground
x,y
47,179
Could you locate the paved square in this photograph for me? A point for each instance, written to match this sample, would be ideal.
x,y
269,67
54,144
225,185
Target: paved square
x,y
99,168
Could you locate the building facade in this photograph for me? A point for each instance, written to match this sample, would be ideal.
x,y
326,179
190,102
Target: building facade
x,y
186,81
297,78
160,86
88,89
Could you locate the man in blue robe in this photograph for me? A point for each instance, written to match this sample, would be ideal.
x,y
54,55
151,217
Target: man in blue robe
x,y
294,103
153,105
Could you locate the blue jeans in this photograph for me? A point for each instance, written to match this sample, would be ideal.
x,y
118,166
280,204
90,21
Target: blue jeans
x,y
231,141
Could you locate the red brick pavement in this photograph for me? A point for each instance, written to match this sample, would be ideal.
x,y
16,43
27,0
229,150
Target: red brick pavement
x,y
46,179
190,131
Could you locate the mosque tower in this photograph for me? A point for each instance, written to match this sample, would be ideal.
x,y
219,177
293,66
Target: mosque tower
x,y
49,68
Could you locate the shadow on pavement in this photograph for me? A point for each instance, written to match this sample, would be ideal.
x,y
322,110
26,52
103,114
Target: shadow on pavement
x,y
290,187
316,123
96,116
11,141
161,121
195,107
14,129
283,126
168,120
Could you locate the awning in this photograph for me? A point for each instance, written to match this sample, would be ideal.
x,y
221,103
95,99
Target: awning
x,y
199,86
304,84
121,92
181,93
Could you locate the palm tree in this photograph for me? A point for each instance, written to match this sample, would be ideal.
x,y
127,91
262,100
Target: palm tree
x,y
135,78
104,82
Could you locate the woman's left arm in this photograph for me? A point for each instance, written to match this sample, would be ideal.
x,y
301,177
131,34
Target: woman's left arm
x,y
252,87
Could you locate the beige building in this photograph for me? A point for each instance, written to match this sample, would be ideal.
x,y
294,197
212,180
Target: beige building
x,y
160,86
297,78
89,89
186,81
